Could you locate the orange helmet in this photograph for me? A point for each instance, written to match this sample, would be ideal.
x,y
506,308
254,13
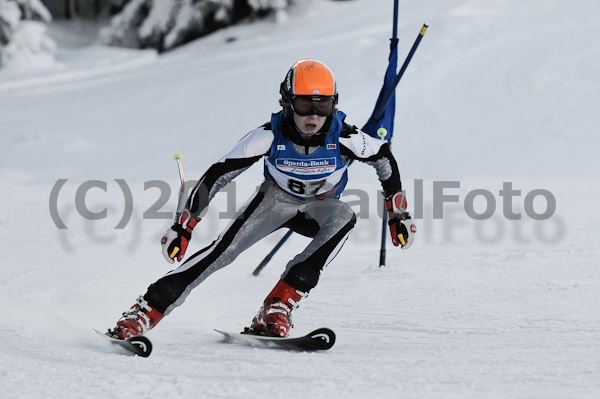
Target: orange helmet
x,y
308,78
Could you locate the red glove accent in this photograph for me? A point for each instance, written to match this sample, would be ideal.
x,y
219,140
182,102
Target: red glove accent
x,y
177,238
402,227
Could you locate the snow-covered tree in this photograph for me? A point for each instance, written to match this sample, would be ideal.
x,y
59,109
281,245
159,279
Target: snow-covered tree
x,y
23,39
165,24
10,15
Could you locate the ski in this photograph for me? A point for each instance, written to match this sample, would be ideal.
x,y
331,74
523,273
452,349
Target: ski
x,y
318,340
138,345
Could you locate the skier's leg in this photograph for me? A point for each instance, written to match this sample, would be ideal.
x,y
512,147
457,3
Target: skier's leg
x,y
335,222
259,217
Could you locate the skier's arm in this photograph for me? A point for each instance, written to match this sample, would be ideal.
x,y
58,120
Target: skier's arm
x,y
359,146
250,149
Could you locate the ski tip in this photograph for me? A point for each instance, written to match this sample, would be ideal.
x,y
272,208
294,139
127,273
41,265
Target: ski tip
x,y
138,345
325,336
142,345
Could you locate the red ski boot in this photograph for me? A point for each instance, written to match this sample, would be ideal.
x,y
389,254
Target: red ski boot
x,y
274,318
138,320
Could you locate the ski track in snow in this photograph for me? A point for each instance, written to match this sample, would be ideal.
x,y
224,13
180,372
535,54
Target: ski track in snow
x,y
498,91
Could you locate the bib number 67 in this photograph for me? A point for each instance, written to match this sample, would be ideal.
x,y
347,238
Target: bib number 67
x,y
305,188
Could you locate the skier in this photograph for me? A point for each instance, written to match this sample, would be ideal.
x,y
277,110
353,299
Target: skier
x,y
306,147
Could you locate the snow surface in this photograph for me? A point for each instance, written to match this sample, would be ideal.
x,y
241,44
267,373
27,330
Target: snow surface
x,y
499,91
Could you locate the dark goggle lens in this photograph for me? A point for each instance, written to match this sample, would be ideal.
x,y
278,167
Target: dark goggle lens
x,y
304,106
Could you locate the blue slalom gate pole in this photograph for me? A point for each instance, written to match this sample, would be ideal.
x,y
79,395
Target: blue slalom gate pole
x,y
267,258
377,114
390,92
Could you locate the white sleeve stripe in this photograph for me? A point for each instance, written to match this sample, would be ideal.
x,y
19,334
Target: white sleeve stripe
x,y
256,143
362,145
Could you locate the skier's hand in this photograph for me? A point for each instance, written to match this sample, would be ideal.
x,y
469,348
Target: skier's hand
x,y
402,227
176,239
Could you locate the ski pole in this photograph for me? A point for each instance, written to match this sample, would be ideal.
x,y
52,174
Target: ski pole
x,y
267,258
181,200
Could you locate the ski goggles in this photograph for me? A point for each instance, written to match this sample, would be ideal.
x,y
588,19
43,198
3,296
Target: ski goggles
x,y
313,105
